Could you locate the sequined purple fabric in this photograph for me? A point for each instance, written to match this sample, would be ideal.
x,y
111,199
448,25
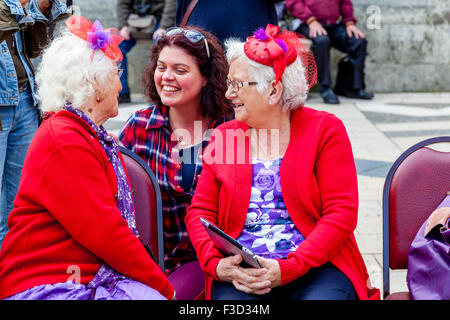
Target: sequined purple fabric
x,y
268,230
125,289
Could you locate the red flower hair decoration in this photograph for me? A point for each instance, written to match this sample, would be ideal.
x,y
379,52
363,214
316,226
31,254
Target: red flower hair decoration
x,y
96,36
277,49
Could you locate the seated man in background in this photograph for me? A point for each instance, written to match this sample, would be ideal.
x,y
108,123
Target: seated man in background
x,y
332,24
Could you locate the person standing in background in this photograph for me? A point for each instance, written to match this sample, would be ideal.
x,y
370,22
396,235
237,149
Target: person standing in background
x,y
229,18
163,10
24,33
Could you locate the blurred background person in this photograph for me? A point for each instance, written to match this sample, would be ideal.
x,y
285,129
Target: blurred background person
x,y
73,234
280,179
186,81
332,24
229,18
24,32
159,14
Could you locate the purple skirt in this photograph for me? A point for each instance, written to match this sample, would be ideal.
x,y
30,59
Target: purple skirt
x,y
123,289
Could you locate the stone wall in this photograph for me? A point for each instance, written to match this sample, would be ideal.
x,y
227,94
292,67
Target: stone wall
x,y
409,43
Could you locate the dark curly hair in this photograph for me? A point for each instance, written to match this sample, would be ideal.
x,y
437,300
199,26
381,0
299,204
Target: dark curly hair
x,y
214,69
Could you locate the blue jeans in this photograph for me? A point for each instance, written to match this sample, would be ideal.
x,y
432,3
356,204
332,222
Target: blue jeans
x,y
19,124
125,46
323,283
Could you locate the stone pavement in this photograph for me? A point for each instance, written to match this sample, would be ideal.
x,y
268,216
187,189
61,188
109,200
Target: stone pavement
x,y
379,130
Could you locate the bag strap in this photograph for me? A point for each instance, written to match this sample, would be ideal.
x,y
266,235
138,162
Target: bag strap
x,y
188,12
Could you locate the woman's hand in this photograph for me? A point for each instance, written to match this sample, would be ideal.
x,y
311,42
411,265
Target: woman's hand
x,y
273,271
248,280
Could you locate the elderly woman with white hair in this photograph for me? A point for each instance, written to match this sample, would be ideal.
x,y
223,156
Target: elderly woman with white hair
x,y
280,179
72,230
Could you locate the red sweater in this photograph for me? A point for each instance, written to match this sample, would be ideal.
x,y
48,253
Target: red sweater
x,y
318,179
325,11
65,214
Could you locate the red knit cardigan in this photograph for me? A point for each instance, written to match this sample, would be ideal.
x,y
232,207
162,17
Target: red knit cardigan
x,y
319,183
65,217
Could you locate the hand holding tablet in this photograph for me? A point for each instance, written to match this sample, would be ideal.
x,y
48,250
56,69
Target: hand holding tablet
x,y
229,246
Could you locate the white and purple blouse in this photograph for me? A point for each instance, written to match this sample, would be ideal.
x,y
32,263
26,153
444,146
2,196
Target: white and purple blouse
x,y
268,230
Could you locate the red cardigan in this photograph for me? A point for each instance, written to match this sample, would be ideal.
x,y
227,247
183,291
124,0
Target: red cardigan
x,y
65,214
319,183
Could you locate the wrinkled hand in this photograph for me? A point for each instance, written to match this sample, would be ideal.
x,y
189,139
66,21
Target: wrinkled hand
x,y
125,33
353,30
158,33
248,280
273,271
316,29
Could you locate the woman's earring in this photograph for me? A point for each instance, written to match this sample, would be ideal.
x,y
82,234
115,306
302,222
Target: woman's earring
x,y
98,99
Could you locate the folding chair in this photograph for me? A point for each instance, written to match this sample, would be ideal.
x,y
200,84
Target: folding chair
x,y
415,185
188,280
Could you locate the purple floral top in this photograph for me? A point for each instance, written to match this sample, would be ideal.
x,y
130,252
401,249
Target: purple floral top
x,y
268,230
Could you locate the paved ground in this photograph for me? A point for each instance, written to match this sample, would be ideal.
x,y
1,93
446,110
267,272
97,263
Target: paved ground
x,y
379,130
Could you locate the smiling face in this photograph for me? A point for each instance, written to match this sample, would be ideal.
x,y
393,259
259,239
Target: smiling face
x,y
250,106
177,78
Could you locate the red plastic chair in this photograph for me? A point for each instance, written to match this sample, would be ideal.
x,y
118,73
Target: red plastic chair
x,y
415,185
188,280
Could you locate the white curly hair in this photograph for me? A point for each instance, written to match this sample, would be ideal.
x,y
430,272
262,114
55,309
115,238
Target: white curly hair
x,y
295,86
67,71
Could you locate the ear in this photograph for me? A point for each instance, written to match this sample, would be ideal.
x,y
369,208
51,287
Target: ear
x,y
95,87
275,92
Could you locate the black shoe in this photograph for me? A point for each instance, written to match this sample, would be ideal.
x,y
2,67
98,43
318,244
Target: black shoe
x,y
329,96
359,94
124,98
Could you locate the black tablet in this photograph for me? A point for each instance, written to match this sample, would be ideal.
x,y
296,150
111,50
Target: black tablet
x,y
229,246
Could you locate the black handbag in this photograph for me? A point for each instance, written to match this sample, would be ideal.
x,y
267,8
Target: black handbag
x,y
344,78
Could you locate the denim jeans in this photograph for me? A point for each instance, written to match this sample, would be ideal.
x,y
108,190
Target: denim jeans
x,y
323,283
19,124
125,46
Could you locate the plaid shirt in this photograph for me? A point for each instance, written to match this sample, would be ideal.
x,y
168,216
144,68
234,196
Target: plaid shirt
x,y
148,133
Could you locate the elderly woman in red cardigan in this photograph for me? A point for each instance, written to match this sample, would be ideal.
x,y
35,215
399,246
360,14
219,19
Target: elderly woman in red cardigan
x,y
72,231
280,179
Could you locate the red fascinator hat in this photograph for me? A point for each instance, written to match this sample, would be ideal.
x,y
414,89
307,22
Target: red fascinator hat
x,y
278,49
96,36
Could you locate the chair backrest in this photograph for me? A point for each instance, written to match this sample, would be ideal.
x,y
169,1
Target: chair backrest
x,y
415,185
147,203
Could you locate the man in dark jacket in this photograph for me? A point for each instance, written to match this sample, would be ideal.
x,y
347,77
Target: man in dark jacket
x,y
330,23
163,10
24,33
230,18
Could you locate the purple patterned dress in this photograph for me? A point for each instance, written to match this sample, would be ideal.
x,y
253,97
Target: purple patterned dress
x,y
268,230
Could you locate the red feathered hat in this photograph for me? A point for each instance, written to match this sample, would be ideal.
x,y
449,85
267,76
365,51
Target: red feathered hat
x,y
107,40
277,49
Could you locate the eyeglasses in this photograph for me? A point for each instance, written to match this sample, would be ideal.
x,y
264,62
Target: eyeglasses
x,y
193,35
119,69
235,85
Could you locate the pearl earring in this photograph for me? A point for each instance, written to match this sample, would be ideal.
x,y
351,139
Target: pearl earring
x,y
98,99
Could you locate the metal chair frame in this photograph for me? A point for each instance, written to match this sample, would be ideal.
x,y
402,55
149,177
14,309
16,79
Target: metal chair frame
x,y
386,196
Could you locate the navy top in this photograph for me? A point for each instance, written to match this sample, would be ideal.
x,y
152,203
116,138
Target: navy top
x,y
229,18
189,156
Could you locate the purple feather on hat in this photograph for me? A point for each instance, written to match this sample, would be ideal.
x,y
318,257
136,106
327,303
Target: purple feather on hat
x,y
97,37
260,34
282,44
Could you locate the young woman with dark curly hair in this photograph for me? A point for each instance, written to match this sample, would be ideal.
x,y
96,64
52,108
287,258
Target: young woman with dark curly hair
x,y
186,81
